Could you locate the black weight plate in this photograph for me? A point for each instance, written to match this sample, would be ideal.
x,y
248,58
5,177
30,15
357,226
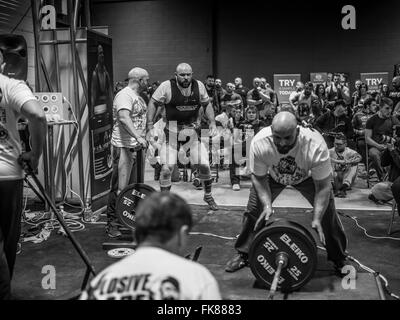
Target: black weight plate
x,y
283,236
128,201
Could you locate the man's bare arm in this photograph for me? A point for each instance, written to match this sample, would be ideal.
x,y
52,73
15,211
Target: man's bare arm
x,y
37,128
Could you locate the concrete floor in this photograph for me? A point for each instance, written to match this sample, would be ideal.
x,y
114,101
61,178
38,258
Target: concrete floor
x,y
382,255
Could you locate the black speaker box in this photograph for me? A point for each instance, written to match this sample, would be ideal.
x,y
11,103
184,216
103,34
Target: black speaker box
x,y
15,55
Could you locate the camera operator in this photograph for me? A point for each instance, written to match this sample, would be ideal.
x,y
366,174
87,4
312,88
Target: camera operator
x,y
333,122
379,132
337,91
258,97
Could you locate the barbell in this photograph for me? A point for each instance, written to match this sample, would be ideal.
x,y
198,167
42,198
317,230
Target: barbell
x,y
283,255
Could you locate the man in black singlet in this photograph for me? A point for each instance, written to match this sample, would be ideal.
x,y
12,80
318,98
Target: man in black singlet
x,y
183,97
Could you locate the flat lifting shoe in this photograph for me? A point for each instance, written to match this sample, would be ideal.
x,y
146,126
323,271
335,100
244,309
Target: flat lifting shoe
x,y
208,198
238,262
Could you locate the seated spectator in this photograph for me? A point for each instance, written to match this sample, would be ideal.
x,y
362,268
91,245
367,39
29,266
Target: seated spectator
x,y
321,97
306,96
378,133
259,96
243,135
268,90
391,157
337,91
357,85
303,114
387,190
269,113
360,96
231,98
394,94
241,90
156,271
333,122
344,164
316,110
359,121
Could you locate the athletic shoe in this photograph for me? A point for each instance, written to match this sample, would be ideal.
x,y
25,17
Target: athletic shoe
x,y
236,187
208,198
113,232
19,247
239,261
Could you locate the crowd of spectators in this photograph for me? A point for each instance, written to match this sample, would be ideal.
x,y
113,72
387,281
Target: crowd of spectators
x,y
357,124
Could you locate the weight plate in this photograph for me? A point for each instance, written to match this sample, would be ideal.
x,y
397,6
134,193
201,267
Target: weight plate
x,y
289,237
119,253
128,201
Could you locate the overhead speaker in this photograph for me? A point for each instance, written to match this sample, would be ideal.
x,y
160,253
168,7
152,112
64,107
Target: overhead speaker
x,y
15,56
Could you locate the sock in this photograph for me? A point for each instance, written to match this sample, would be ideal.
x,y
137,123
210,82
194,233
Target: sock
x,y
165,188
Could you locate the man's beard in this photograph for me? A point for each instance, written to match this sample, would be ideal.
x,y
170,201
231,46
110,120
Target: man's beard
x,y
285,149
184,83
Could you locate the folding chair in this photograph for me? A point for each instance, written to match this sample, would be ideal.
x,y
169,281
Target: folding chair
x,y
394,207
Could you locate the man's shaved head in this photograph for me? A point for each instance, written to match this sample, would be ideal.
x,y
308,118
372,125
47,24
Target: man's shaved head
x,y
139,76
184,75
183,68
284,131
137,73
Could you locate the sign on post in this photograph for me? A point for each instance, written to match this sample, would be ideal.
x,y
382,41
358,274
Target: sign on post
x,y
374,78
284,85
318,77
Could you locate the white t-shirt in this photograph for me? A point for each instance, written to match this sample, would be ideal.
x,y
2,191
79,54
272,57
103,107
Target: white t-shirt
x,y
153,274
129,100
13,93
163,92
309,157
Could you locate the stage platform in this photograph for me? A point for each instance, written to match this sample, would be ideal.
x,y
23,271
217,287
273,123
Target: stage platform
x,y
381,255
357,198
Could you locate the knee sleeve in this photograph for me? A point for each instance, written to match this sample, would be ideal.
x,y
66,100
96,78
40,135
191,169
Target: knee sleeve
x,y
165,177
204,172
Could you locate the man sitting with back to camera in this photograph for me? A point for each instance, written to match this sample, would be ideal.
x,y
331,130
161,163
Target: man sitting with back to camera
x,y
378,133
156,271
344,164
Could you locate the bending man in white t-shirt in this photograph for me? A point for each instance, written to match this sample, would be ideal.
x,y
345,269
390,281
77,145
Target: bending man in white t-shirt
x,y
286,154
156,271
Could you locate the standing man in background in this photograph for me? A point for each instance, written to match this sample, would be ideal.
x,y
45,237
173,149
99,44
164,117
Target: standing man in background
x,y
16,100
128,136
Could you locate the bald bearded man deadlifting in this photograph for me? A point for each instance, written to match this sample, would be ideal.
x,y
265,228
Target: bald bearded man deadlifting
x,y
183,97
286,154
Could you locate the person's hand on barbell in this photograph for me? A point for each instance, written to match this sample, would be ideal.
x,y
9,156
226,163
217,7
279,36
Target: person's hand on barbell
x,y
264,216
316,224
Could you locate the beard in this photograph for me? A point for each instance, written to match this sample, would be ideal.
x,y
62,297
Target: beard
x,y
285,149
184,83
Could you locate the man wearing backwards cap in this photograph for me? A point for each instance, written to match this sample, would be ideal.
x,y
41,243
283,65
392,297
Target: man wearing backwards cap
x,y
127,137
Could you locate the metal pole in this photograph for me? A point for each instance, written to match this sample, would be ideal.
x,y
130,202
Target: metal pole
x,y
38,87
77,104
